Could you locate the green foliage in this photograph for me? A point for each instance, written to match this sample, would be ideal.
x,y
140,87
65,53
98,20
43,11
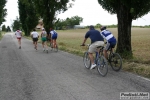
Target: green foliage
x,y
28,15
137,8
68,22
98,25
126,10
4,28
8,29
3,11
16,24
48,10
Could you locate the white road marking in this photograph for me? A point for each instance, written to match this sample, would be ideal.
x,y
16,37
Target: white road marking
x,y
144,78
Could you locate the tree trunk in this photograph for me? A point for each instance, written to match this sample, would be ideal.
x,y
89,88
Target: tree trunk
x,y
124,32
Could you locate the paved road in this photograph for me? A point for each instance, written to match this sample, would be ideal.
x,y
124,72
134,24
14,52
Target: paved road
x,y
26,74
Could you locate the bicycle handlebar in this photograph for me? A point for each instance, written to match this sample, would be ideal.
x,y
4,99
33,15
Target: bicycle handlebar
x,y
82,45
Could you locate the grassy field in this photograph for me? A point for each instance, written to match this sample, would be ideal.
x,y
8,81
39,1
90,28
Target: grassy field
x,y
70,41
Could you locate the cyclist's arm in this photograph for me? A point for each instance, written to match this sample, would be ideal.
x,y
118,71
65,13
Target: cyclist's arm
x,y
84,41
103,36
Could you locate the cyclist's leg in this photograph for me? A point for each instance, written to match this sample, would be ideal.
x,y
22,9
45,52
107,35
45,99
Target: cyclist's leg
x,y
112,46
106,49
99,43
91,50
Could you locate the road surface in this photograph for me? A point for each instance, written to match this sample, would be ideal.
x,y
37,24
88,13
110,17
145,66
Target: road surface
x,y
26,74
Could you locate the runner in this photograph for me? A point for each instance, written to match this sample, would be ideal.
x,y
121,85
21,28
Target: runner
x,y
44,40
35,37
18,34
54,36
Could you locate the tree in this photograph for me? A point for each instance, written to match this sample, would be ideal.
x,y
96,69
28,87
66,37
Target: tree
x,y
69,22
48,10
126,10
3,11
8,29
98,25
75,20
28,16
16,24
4,28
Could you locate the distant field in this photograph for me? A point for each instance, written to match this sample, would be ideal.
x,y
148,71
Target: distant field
x,y
71,39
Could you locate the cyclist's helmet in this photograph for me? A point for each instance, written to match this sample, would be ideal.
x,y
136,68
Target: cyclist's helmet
x,y
103,28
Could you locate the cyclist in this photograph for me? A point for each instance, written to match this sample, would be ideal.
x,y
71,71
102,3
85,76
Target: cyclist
x,y
96,40
35,36
44,39
18,34
110,39
53,35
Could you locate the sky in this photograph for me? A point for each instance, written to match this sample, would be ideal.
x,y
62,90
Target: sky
x,y
91,12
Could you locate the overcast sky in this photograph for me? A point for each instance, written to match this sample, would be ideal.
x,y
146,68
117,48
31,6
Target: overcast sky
x,y
91,12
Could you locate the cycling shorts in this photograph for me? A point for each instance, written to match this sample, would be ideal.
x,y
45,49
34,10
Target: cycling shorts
x,y
110,45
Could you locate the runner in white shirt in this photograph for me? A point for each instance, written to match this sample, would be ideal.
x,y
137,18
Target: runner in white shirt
x,y
18,34
35,36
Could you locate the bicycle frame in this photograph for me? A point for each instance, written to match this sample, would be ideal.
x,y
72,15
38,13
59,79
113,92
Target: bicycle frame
x,y
100,61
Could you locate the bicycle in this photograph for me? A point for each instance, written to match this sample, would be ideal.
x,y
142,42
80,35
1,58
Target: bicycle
x,y
114,60
100,61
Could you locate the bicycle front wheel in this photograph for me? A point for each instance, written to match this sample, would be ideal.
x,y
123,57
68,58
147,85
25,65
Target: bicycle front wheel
x,y
102,66
86,60
115,62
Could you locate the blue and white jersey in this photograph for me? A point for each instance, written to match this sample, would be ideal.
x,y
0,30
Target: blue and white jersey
x,y
108,36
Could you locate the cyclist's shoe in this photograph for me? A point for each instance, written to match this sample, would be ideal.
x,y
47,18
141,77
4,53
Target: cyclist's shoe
x,y
20,47
43,49
93,66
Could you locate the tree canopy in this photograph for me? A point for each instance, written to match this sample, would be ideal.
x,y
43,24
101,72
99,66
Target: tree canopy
x,y
3,11
28,16
126,10
68,22
16,24
48,10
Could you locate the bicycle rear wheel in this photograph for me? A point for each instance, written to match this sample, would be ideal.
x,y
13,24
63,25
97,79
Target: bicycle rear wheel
x,y
115,62
86,60
102,66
